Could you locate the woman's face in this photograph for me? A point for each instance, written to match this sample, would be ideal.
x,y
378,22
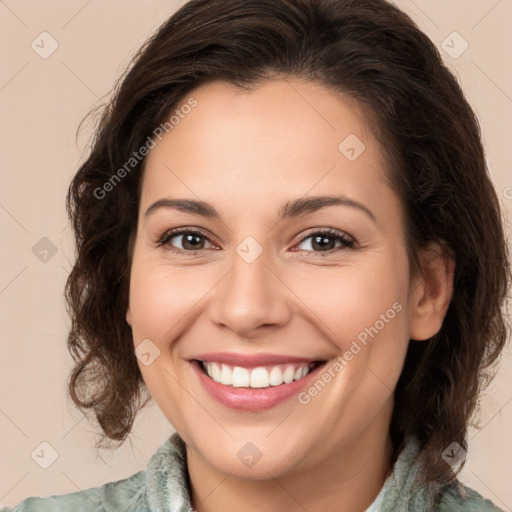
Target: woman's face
x,y
263,286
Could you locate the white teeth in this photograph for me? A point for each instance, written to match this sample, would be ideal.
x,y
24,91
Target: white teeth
x,y
288,374
226,376
275,376
240,377
260,377
215,372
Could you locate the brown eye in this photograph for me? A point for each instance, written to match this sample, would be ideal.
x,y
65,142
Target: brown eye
x,y
325,241
190,240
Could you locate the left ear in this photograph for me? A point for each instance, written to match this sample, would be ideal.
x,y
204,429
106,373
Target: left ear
x,y
431,292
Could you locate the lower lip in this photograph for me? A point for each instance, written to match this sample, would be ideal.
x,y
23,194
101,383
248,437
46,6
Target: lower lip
x,y
253,399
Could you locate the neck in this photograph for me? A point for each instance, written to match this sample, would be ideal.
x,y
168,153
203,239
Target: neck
x,y
348,480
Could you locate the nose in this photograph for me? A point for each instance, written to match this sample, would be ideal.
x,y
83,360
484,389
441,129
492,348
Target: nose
x,y
251,298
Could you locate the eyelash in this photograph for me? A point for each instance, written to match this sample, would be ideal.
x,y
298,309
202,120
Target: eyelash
x,y
164,240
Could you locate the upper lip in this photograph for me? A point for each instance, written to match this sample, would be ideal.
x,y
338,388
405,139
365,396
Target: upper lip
x,y
251,360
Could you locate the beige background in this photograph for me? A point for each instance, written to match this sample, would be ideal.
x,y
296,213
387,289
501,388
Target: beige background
x,y
42,102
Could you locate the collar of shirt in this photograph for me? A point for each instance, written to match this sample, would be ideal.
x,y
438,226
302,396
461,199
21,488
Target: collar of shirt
x,y
168,488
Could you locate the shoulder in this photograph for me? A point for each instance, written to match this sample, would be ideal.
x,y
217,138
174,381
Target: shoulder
x,y
158,487
127,494
405,489
458,498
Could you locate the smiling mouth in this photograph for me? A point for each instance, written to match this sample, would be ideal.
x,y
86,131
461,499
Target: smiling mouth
x,y
258,377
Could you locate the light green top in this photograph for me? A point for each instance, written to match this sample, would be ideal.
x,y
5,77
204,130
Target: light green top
x,y
163,487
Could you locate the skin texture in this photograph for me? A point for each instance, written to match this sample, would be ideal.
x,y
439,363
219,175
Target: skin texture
x,y
248,153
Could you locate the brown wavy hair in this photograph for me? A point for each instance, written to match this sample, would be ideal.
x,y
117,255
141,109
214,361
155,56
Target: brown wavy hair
x,y
374,54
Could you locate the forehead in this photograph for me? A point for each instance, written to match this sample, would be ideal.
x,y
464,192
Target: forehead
x,y
283,138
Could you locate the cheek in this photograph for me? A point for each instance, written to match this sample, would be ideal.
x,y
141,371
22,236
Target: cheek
x,y
363,313
161,299
352,302
379,329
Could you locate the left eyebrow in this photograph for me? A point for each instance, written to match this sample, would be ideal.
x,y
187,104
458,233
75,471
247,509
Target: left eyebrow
x,y
295,208
306,205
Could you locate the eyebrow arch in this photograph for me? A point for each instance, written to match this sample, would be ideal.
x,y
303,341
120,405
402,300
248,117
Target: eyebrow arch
x,y
290,209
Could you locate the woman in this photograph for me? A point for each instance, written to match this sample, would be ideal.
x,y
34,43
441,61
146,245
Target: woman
x,y
287,237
